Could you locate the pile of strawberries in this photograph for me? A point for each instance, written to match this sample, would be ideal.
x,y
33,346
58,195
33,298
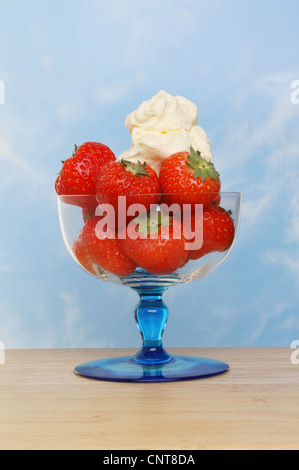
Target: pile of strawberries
x,y
92,178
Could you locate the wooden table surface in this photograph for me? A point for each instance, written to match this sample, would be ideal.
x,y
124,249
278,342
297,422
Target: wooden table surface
x,y
44,405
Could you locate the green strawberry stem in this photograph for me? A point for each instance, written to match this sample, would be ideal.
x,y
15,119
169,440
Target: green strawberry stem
x,y
75,150
202,168
137,169
74,153
151,222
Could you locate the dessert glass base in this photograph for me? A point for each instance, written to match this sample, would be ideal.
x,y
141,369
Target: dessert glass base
x,y
152,363
124,369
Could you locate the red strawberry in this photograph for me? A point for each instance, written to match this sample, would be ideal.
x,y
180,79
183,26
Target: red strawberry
x,y
218,199
157,246
218,231
138,182
93,248
187,178
59,188
79,172
87,213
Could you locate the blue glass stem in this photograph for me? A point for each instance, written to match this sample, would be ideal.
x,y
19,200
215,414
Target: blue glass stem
x,y
151,316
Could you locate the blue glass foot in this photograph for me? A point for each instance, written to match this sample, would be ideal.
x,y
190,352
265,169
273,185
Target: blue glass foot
x,y
152,363
124,369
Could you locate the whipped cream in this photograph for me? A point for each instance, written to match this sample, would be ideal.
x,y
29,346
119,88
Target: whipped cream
x,y
162,126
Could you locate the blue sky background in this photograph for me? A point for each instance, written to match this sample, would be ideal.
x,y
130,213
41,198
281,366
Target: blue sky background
x,y
73,70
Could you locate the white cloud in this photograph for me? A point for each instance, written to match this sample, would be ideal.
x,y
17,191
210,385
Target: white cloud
x,y
12,331
290,322
159,33
285,259
7,264
71,316
265,316
107,94
263,150
253,210
292,227
49,61
24,179
69,111
8,153
246,135
111,93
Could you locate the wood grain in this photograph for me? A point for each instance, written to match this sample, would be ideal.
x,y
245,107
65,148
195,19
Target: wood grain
x,y
44,405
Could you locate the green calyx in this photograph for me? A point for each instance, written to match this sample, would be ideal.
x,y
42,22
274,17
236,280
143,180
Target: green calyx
x,y
202,168
74,153
75,150
137,169
229,212
151,222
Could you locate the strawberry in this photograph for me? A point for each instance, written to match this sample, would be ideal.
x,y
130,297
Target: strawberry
x,y
138,182
157,246
187,178
93,248
217,199
218,231
87,213
79,172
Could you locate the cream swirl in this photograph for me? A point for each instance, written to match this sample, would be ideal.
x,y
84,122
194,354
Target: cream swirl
x,y
163,112
162,126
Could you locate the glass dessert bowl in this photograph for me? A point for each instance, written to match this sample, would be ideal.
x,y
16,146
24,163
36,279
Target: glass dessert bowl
x,y
149,251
